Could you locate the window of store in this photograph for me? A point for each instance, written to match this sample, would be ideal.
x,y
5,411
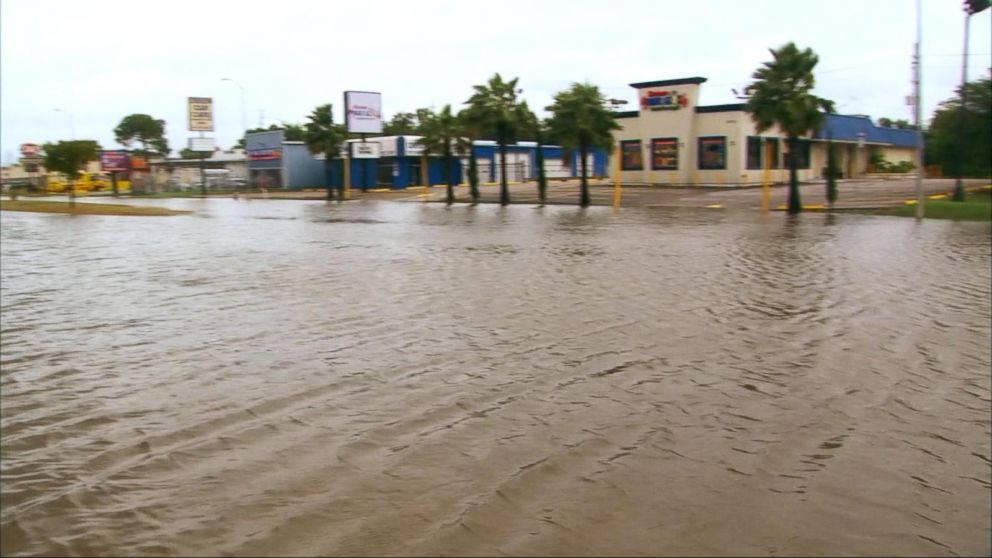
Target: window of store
x,y
631,155
665,154
754,152
758,149
713,153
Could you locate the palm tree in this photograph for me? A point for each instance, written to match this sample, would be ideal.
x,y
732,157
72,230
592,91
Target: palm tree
x,y
582,120
442,133
495,111
538,129
322,135
782,95
469,130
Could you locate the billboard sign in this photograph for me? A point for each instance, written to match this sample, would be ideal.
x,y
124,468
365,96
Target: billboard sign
x,y
112,161
363,112
201,144
30,149
201,114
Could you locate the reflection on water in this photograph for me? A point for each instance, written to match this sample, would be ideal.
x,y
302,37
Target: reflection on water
x,y
268,377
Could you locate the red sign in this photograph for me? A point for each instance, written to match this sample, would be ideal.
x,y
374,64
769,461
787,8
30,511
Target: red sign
x,y
30,149
115,161
139,163
265,154
662,100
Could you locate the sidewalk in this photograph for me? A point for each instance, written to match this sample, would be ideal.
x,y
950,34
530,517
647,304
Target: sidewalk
x,y
851,194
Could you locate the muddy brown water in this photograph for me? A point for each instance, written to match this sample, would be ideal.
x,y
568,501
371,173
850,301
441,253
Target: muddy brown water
x,y
382,378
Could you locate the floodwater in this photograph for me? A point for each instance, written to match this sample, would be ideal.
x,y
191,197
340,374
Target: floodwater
x,y
383,378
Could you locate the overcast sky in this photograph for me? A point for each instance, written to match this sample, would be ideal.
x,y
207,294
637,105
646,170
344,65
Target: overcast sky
x,y
99,61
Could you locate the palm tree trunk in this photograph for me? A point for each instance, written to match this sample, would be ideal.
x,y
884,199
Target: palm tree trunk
x,y
328,166
72,192
795,206
831,173
447,174
584,201
504,190
473,175
542,181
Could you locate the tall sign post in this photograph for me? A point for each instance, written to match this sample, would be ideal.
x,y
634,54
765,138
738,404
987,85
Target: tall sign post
x,y
363,115
201,119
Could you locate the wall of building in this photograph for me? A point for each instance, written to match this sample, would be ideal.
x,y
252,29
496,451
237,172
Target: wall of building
x,y
301,170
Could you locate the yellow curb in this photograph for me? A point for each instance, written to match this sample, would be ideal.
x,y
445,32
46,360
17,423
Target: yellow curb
x,y
812,206
937,196
909,202
714,206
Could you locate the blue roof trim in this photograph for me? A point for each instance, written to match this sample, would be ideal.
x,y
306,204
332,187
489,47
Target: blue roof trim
x,y
842,127
666,82
721,108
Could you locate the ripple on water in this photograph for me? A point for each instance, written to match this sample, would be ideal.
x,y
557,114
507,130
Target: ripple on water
x,y
388,378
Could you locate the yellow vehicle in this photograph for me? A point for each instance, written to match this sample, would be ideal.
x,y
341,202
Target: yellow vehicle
x,y
87,182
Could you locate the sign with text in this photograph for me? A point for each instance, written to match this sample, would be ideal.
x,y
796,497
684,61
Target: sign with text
x,y
201,144
112,161
664,100
30,149
363,112
201,114
365,150
264,154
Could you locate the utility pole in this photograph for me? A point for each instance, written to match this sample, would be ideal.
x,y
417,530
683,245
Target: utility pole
x,y
971,7
916,112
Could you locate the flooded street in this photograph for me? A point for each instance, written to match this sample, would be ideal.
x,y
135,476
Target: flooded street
x,y
382,378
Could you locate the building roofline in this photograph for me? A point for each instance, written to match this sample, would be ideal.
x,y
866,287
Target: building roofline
x,y
721,108
627,114
664,82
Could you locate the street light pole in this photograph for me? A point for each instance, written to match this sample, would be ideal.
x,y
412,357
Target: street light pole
x,y
959,170
917,101
72,124
244,126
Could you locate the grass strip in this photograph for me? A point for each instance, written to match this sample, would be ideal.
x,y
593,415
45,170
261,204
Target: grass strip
x,y
46,206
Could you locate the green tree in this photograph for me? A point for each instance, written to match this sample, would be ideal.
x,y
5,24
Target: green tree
x,y
322,135
471,133
401,124
782,95
70,158
959,138
144,129
581,120
540,130
291,132
442,134
495,112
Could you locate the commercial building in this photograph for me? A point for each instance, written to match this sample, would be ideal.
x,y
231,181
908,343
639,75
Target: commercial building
x,y
672,140
398,162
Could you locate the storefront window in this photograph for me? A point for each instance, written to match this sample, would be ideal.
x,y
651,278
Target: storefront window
x,y
759,149
665,154
631,158
713,153
754,145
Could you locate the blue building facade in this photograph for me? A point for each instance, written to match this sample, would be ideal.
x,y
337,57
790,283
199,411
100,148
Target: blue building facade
x,y
398,162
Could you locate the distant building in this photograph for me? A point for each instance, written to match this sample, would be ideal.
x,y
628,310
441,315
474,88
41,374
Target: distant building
x,y
671,140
